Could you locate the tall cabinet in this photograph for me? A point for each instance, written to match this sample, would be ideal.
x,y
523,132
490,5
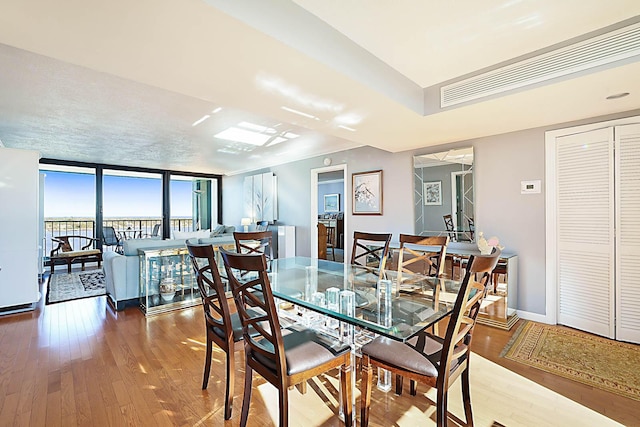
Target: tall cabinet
x,y
18,229
598,230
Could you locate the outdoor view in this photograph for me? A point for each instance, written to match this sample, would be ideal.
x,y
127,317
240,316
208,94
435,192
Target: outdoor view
x,y
132,203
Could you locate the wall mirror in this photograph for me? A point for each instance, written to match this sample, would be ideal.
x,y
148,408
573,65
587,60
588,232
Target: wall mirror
x,y
443,194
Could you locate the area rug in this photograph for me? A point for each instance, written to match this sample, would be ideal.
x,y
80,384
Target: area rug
x,y
599,362
67,287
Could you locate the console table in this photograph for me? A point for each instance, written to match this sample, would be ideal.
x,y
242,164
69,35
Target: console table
x,y
499,306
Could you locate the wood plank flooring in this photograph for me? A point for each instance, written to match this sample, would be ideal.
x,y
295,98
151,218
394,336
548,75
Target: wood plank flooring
x,y
81,363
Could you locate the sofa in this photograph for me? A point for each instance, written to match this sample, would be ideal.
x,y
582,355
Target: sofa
x,y
122,271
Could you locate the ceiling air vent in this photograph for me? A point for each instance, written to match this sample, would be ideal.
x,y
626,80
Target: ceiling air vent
x,y
601,50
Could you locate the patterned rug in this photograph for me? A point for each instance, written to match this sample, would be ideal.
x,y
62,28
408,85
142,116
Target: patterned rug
x,y
599,362
66,287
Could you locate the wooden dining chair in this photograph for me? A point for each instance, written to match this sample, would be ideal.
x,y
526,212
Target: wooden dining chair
x,y
448,224
430,359
284,360
223,327
422,254
368,247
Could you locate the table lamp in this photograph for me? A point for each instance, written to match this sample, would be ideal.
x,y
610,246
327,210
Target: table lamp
x,y
245,222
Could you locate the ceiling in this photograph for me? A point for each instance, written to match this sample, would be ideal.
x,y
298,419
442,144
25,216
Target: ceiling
x,y
124,82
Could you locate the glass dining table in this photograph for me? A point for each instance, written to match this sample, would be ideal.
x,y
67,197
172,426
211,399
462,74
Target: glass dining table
x,y
356,303
397,312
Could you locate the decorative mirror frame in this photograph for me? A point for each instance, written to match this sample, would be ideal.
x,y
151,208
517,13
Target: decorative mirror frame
x,y
437,191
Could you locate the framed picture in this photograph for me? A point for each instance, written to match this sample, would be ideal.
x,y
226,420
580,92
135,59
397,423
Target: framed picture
x,y
367,193
432,193
332,202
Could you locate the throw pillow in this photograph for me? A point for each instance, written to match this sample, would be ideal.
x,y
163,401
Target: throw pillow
x,y
219,229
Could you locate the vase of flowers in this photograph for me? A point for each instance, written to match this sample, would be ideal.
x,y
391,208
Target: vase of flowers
x,y
485,246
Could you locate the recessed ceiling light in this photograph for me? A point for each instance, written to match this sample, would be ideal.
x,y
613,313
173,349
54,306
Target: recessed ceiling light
x,y
290,135
346,128
277,140
300,113
618,95
241,135
217,110
200,120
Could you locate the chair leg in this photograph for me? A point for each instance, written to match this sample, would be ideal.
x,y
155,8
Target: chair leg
x,y
347,404
207,364
228,401
246,398
466,397
284,406
399,382
413,388
365,397
441,407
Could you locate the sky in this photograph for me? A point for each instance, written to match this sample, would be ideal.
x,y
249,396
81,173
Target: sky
x,y
73,195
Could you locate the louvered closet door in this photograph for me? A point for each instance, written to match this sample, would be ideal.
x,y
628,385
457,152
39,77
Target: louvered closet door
x,y
585,214
628,233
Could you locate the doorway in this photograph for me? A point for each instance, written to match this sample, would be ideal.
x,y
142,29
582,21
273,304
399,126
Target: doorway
x,y
329,203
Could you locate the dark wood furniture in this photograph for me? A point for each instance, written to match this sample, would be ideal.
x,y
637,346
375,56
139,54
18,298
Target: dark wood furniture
x,y
448,223
326,241
65,254
428,358
336,221
223,327
254,242
283,359
370,249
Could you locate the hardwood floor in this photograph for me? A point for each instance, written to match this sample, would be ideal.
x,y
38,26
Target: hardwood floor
x,y
81,363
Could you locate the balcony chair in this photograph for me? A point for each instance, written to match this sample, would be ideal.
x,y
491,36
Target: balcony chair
x,y
111,238
430,359
283,359
223,327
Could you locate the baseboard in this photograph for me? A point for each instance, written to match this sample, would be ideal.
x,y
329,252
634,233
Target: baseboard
x,y
527,315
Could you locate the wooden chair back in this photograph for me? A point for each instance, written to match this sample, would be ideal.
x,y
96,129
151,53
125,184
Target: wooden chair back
x,y
257,312
254,242
422,254
370,245
472,228
465,312
448,223
217,312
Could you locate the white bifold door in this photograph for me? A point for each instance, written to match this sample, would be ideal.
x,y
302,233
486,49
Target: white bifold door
x,y
598,231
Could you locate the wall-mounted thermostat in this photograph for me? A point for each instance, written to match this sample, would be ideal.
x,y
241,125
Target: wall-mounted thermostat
x,y
530,187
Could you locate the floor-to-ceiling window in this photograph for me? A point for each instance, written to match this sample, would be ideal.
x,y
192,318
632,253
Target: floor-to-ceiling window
x,y
194,202
82,198
132,202
69,195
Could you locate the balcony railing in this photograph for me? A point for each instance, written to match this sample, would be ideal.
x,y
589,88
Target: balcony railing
x,y
87,227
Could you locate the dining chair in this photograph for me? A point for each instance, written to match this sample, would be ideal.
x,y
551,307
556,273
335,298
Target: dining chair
x,y
422,254
326,241
368,247
448,223
283,359
472,228
223,327
430,359
110,238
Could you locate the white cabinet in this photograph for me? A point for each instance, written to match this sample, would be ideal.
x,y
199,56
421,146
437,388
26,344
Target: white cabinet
x,y
286,241
18,228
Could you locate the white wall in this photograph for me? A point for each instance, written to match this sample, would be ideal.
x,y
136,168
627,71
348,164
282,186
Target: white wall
x,y
501,162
